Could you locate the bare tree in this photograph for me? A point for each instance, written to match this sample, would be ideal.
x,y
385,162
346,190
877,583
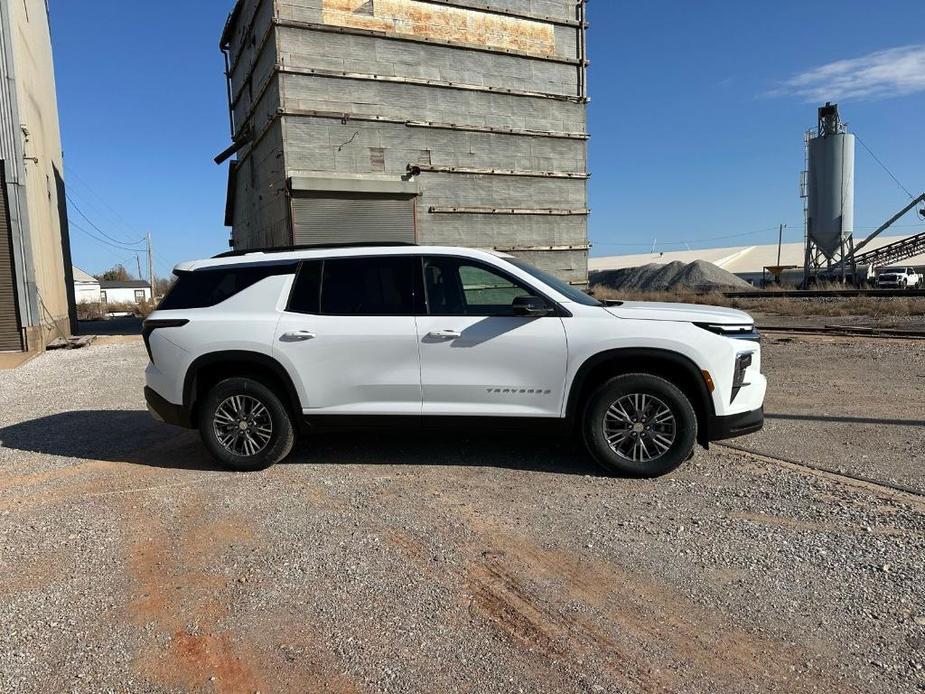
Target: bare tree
x,y
117,273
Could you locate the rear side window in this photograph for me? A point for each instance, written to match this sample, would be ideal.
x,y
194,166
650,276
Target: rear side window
x,y
306,291
204,288
383,286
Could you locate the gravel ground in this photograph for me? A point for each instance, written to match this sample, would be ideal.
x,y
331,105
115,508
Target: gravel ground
x,y
855,406
391,564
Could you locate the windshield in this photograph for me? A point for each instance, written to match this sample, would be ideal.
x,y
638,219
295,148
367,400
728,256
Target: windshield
x,y
565,289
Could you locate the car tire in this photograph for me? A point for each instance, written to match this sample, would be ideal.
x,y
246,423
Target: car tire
x,y
639,425
245,426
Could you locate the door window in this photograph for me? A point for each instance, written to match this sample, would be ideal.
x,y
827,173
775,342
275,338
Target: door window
x,y
383,286
139,296
458,287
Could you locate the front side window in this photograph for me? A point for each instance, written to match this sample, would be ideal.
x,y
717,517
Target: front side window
x,y
457,287
139,296
568,291
382,286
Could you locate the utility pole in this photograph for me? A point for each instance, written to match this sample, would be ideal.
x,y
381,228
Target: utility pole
x,y
780,242
138,265
151,278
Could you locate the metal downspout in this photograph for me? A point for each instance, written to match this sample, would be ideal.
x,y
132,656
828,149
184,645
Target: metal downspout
x,y
228,88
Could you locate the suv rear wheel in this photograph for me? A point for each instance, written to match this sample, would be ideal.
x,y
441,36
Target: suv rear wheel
x,y
640,425
245,426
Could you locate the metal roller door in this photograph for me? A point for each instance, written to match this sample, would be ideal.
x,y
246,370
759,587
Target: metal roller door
x,y
10,328
352,218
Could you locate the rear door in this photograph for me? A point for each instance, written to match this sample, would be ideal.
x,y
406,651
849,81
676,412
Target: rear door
x,y
477,357
348,333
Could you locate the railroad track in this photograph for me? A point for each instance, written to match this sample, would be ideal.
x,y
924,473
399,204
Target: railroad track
x,y
894,491
845,330
822,293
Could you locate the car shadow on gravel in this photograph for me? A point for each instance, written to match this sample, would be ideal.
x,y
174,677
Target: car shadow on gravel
x,y
511,451
132,436
126,325
129,436
845,420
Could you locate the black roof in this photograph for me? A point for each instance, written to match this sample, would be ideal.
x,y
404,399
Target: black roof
x,y
124,284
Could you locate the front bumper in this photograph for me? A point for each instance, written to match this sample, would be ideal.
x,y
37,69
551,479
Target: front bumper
x,y
731,426
165,411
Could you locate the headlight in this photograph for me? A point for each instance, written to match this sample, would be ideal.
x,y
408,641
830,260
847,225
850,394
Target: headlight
x,y
736,332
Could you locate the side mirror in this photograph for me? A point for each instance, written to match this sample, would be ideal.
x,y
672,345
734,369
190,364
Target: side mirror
x,y
531,307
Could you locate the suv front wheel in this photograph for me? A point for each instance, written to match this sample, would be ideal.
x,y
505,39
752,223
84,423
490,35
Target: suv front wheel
x,y
640,425
245,426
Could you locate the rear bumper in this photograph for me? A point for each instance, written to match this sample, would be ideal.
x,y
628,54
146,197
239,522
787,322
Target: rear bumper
x,y
166,411
729,427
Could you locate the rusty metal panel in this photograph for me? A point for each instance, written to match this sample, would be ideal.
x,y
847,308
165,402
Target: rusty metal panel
x,y
443,23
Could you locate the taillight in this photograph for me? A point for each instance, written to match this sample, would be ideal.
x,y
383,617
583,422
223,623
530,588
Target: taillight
x,y
150,325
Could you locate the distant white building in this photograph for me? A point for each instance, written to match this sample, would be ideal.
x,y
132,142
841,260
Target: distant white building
x,y
124,292
747,262
86,287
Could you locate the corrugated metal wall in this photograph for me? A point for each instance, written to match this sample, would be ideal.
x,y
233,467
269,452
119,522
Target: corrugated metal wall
x,y
351,218
10,326
488,100
10,314
8,137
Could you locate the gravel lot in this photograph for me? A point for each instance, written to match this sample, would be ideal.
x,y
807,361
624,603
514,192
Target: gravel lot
x,y
436,563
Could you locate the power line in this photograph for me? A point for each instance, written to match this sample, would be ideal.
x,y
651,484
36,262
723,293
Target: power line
x,y
74,225
689,241
111,254
884,166
118,217
128,245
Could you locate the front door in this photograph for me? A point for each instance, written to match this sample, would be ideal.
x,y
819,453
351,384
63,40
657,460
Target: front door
x,y
349,333
477,357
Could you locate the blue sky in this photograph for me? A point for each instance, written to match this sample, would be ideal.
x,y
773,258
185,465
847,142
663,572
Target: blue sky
x,y
697,115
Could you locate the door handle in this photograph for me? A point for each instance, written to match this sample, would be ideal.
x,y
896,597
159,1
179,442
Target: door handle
x,y
298,336
444,335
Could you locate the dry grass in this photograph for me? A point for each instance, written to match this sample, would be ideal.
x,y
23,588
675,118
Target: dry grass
x,y
98,311
874,307
89,310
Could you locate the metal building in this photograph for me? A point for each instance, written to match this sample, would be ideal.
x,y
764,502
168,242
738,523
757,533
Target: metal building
x,y
457,122
36,285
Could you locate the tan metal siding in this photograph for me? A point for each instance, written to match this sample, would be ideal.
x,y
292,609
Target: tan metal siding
x,y
10,332
352,218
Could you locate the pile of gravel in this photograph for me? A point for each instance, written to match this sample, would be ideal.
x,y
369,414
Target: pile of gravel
x,y
655,277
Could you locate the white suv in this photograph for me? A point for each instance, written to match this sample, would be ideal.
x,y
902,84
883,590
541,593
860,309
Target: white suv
x,y
252,347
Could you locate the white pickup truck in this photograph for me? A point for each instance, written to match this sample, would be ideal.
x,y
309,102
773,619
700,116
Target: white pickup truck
x,y
899,278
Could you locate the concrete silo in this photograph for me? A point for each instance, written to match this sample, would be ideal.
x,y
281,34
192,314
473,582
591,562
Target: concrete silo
x,y
829,193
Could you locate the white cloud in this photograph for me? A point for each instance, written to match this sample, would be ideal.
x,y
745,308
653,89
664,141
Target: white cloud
x,y
879,75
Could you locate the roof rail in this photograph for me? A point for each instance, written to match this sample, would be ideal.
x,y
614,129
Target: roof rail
x,y
314,247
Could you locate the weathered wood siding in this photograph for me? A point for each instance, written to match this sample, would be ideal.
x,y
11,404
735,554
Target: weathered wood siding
x,y
353,87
